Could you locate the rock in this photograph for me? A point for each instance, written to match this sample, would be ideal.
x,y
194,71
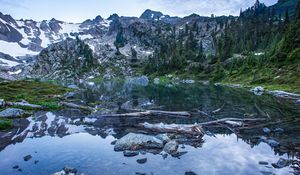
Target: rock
x,y
2,102
36,161
130,153
269,141
16,167
163,137
171,147
134,141
69,95
70,170
281,163
266,130
298,102
156,81
272,143
60,173
278,130
12,112
141,161
73,86
138,173
188,81
141,81
28,157
190,173
263,163
267,173
258,90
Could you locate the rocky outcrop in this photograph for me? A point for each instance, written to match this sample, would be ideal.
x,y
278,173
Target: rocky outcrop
x,y
68,59
12,112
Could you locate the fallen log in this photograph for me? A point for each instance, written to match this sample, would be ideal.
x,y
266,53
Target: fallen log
x,y
218,110
174,128
75,106
181,114
24,104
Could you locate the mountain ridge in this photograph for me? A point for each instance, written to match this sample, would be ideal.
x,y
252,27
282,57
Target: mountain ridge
x,y
117,40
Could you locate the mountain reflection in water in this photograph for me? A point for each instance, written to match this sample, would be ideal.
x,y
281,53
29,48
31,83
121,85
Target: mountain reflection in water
x,y
72,138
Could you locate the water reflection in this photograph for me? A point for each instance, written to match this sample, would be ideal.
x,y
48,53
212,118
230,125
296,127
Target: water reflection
x,y
73,138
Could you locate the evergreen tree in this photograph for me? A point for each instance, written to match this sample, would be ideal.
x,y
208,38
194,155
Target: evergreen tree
x,y
287,19
298,11
120,40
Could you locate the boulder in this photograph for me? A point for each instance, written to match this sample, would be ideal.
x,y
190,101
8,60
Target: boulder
x,y
266,130
188,81
278,130
130,153
70,170
12,112
140,81
2,102
69,95
269,141
190,173
263,163
164,138
281,163
257,90
156,81
73,86
141,161
28,157
134,141
171,147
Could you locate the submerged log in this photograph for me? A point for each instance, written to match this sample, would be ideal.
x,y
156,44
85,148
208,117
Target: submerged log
x,y
173,128
232,121
196,128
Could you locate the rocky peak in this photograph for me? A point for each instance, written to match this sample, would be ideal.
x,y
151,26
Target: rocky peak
x,y
113,17
55,25
7,18
98,19
149,15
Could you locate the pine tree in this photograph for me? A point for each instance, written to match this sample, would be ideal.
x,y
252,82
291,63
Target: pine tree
x,y
298,11
120,40
287,19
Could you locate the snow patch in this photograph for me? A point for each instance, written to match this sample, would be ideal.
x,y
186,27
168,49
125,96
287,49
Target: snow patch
x,y
45,40
69,28
8,63
88,36
106,23
14,49
15,72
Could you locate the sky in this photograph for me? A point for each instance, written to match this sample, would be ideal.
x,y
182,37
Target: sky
x,y
80,10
